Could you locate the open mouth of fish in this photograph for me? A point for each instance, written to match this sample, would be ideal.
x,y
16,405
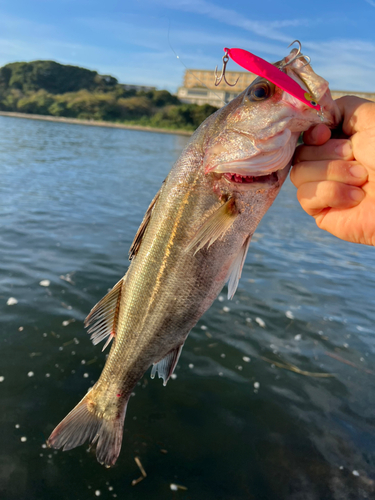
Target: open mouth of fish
x,y
250,179
261,167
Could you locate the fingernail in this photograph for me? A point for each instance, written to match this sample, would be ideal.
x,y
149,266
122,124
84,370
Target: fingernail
x,y
344,149
358,171
356,194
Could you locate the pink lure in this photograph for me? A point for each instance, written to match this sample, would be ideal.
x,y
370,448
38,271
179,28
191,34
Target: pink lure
x,y
263,68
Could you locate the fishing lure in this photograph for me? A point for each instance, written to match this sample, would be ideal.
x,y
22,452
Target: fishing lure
x,y
268,71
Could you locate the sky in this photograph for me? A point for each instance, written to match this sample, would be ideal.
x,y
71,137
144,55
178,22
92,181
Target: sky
x,y
138,41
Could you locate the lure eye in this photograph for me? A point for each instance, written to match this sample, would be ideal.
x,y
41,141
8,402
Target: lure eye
x,y
310,98
260,91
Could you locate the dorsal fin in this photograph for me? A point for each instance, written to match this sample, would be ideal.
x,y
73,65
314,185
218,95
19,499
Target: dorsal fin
x,y
166,366
215,226
142,228
103,317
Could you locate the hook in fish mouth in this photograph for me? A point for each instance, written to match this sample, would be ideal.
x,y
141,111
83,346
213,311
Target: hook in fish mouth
x,y
298,55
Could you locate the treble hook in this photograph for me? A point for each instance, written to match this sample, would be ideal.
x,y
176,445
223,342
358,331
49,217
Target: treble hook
x,y
297,55
218,79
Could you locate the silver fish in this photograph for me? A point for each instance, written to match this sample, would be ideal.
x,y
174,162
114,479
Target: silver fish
x,y
193,239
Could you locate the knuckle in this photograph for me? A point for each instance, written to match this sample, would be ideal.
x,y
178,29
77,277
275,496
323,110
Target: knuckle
x,y
301,196
329,190
298,154
338,169
327,194
294,174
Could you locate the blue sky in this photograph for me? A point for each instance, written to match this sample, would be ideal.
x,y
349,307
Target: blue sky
x,y
129,39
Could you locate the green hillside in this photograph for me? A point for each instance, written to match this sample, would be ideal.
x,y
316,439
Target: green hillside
x,y
50,88
52,77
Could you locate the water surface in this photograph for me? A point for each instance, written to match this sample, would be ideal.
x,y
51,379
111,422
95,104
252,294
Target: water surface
x,y
235,423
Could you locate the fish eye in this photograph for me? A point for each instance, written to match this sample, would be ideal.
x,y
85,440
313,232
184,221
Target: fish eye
x,y
260,91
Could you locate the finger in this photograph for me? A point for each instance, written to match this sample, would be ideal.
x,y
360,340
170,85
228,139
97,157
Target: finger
x,y
334,149
364,148
317,135
317,196
357,114
351,173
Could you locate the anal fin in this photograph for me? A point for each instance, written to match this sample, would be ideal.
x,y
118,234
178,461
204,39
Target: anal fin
x,y
215,226
166,366
236,268
103,317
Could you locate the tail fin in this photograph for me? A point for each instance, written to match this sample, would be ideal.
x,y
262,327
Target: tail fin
x,y
82,425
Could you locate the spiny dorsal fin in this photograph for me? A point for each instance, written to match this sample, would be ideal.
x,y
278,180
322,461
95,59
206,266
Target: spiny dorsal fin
x,y
215,226
142,228
104,316
236,268
166,366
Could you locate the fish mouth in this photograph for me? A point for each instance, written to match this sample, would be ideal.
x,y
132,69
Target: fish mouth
x,y
270,156
263,169
252,179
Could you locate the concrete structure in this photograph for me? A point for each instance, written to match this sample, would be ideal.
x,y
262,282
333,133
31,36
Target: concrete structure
x,y
199,88
201,95
204,78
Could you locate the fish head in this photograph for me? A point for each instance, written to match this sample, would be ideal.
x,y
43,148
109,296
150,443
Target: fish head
x,y
255,135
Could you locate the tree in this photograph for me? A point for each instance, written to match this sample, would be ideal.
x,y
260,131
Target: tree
x,y
50,88
37,103
53,77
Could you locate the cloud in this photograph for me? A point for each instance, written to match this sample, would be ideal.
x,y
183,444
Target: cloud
x,y
230,17
347,64
371,2
11,25
135,47
146,34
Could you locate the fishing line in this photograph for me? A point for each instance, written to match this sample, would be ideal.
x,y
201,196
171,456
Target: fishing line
x,y
187,69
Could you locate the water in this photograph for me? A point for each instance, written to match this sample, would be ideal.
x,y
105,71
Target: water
x,y
235,423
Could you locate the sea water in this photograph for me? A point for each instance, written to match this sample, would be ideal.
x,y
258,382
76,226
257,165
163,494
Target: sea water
x,y
273,396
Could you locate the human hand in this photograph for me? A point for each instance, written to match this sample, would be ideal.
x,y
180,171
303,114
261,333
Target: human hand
x,y
335,178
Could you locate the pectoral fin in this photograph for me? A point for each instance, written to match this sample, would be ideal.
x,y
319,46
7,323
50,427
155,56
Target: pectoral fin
x,y
166,366
236,268
215,226
103,317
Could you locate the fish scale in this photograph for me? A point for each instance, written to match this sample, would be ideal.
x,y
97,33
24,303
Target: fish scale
x,y
192,240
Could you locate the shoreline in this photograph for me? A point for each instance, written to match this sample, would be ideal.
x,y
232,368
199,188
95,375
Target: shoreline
x,y
93,123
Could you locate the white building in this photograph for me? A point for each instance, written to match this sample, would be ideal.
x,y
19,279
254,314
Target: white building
x,y
199,88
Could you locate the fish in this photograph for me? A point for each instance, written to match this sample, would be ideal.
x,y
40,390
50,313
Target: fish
x,y
193,239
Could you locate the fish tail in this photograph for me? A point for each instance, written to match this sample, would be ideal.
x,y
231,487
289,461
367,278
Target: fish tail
x,y
84,424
